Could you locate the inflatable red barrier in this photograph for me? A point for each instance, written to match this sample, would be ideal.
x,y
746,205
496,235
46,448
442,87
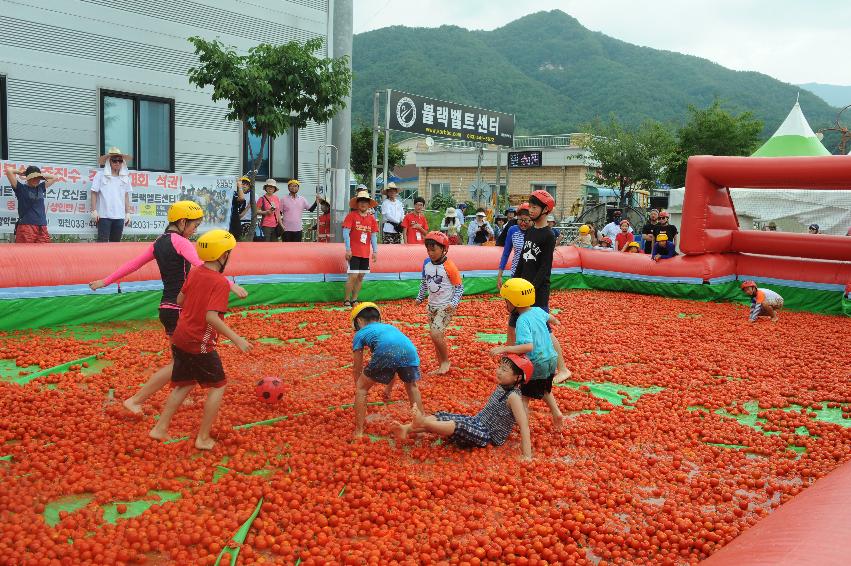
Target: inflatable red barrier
x,y
814,527
705,267
828,272
709,219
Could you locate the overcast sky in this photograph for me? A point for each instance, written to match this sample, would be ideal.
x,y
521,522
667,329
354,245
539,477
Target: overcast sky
x,y
796,41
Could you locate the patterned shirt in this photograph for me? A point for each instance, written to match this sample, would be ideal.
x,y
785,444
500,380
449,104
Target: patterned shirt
x,y
497,416
515,238
443,283
764,297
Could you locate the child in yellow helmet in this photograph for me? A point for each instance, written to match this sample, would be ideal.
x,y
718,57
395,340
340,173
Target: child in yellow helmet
x,y
533,339
175,256
204,298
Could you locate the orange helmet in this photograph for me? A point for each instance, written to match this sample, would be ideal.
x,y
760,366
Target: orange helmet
x,y
544,198
523,363
746,284
438,238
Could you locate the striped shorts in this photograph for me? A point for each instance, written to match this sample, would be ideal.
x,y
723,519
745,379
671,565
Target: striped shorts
x,y
469,430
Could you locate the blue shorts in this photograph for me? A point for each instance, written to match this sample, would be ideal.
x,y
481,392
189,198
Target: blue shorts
x,y
470,432
408,374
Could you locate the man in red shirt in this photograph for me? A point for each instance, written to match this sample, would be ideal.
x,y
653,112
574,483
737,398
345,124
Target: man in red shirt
x,y
415,223
360,233
204,300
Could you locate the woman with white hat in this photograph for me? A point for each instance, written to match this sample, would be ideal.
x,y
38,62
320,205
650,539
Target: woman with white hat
x,y
111,190
269,209
31,227
450,226
392,211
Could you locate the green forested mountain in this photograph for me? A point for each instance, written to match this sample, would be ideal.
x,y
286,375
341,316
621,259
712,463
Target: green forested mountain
x,y
556,75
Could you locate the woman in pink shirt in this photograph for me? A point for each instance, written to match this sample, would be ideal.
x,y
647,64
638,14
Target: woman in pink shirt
x,y
293,206
269,208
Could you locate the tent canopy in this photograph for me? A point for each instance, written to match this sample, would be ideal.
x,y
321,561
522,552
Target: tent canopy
x,y
793,138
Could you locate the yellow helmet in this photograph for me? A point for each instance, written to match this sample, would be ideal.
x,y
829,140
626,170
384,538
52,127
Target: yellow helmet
x,y
213,244
518,292
358,309
662,237
584,229
184,209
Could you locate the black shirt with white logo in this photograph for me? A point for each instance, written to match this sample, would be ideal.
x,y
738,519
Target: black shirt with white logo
x,y
536,262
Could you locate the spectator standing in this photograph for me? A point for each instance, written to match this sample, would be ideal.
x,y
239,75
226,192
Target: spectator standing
x,y
551,222
460,213
268,207
514,243
624,237
613,228
111,190
511,215
31,227
813,229
293,206
238,207
594,233
415,223
664,226
480,230
772,226
451,227
499,224
392,213
323,220
647,230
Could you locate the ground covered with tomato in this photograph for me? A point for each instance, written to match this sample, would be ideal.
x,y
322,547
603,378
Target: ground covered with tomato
x,y
685,425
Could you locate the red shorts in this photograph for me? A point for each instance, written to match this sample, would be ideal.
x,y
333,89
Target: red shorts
x,y
30,234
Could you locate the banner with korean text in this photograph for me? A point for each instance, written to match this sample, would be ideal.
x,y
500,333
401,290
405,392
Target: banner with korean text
x,y
432,117
68,201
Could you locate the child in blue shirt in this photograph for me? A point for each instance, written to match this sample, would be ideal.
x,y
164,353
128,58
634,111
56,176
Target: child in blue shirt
x,y
393,354
533,339
662,249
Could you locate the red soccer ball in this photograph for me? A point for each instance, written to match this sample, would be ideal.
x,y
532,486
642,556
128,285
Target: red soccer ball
x,y
270,390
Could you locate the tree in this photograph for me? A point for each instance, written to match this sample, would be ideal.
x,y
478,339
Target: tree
x,y
272,88
712,131
441,202
362,154
629,159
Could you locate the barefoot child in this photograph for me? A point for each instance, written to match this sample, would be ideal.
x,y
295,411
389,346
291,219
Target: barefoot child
x,y
393,354
204,299
535,340
175,255
764,302
360,231
493,423
442,281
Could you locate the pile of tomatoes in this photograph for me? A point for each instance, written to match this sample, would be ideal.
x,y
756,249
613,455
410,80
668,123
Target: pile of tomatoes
x,y
668,477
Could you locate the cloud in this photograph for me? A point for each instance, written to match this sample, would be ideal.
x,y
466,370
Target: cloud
x,y
793,40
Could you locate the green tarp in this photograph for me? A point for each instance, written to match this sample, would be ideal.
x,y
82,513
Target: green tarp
x,y
20,314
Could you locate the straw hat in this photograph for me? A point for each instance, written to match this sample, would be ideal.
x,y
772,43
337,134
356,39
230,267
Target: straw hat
x,y
353,203
113,151
271,183
33,172
450,213
390,185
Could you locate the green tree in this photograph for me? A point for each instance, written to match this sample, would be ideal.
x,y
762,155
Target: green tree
x,y
362,154
712,131
629,159
272,88
441,202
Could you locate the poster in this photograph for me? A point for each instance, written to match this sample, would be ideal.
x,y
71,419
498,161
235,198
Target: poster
x,y
438,118
68,201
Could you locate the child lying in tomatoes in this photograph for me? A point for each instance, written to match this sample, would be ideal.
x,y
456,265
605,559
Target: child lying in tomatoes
x,y
493,423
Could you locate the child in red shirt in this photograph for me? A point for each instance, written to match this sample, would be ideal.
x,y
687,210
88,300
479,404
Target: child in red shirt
x,y
624,237
360,232
204,299
415,223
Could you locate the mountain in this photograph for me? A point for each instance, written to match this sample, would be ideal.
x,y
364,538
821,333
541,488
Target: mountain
x,y
835,95
556,75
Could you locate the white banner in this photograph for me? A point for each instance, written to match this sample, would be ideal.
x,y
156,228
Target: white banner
x,y
68,201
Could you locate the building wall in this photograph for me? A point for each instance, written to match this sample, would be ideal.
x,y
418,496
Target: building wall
x,y
57,55
568,181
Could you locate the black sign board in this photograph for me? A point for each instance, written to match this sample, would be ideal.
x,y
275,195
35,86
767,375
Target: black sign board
x,y
432,117
524,159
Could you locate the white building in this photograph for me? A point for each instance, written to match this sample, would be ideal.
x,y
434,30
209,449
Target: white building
x,y
79,76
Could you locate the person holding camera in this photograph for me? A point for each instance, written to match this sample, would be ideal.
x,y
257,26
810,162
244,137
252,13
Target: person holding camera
x,y
480,230
269,209
393,212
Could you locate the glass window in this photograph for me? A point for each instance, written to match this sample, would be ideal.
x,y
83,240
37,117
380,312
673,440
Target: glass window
x,y
550,188
253,141
283,156
154,136
4,126
118,124
142,126
440,189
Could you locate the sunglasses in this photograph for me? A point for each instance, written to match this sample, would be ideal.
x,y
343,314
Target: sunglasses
x,y
117,160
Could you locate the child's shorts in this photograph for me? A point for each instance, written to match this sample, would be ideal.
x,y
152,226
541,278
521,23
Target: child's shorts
x,y
439,318
470,432
358,265
204,369
542,380
408,374
168,318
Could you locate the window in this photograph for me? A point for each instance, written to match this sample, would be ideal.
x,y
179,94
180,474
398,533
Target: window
x,y
549,187
283,151
440,189
4,127
142,126
503,189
